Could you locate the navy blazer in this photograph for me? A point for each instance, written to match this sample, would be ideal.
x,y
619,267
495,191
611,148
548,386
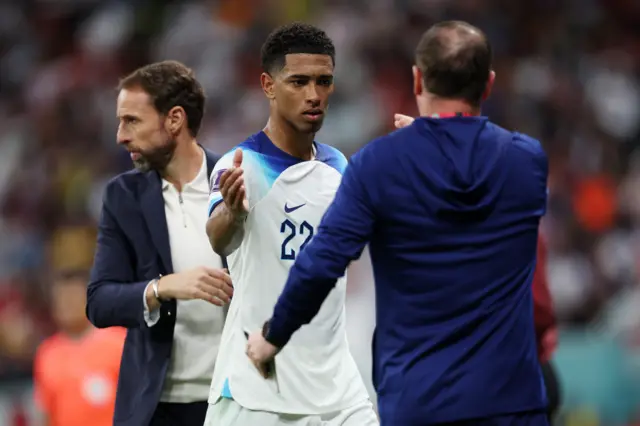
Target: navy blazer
x,y
132,249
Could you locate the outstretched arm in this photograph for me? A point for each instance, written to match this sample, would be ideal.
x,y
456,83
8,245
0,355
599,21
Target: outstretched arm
x,y
228,207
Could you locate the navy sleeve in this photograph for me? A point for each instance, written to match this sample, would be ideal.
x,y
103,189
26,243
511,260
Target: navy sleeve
x,y
343,233
113,297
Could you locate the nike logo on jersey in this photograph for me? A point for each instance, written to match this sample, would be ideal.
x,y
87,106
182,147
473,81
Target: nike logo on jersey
x,y
288,209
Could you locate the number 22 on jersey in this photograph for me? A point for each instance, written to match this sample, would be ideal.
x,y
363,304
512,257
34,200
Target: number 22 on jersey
x,y
290,231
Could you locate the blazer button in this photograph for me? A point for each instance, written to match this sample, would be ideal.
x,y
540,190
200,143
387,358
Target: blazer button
x,y
169,313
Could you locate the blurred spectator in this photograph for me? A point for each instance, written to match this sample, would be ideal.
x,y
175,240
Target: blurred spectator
x,y
76,369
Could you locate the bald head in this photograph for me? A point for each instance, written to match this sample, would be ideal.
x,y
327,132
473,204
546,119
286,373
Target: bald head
x,y
455,61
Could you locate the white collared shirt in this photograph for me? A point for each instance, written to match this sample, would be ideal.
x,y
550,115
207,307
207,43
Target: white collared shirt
x,y
198,323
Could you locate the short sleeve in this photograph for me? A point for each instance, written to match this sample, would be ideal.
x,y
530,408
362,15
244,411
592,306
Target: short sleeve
x,y
223,164
336,159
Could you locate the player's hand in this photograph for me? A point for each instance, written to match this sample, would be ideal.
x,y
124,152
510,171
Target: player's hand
x,y
260,352
232,188
209,284
401,120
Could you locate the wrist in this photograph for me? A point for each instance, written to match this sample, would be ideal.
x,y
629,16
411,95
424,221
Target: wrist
x,y
269,337
159,288
237,217
151,301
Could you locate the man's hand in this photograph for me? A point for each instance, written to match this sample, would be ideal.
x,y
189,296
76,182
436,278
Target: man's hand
x,y
211,285
401,120
232,188
260,352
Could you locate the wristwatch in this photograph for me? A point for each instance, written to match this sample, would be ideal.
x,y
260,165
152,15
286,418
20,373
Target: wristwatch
x,y
154,286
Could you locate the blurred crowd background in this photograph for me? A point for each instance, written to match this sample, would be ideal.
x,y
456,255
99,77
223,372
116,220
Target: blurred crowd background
x,y
568,73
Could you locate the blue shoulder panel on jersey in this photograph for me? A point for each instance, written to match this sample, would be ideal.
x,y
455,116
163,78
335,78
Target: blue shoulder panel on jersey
x,y
331,157
262,156
269,159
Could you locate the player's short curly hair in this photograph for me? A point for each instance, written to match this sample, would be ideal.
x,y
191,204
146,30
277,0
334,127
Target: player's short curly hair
x,y
170,84
296,37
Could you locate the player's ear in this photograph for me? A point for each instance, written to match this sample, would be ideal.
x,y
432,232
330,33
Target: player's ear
x,y
176,118
417,81
267,82
489,87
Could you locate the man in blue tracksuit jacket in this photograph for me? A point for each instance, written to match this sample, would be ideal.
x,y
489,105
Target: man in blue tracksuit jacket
x,y
450,206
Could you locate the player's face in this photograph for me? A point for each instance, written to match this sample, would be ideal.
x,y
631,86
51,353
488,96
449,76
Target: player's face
x,y
302,89
69,300
142,131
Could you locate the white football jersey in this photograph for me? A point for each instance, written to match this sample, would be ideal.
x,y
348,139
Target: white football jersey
x,y
315,372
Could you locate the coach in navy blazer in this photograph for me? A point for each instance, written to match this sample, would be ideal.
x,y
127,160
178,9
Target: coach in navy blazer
x,y
159,108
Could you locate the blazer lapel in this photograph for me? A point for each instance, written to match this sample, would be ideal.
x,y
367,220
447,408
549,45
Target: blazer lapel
x,y
152,205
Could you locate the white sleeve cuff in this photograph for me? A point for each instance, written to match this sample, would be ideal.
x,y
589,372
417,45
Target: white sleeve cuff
x,y
151,318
